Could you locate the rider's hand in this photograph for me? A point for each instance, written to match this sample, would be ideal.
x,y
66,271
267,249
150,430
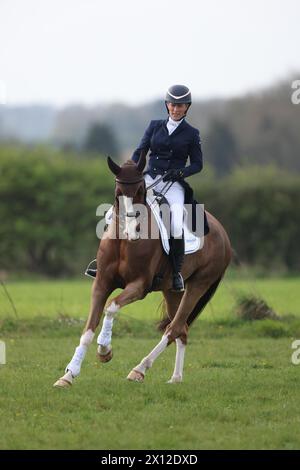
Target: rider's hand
x,y
174,175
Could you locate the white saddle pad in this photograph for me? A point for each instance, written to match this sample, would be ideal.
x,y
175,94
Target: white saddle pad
x,y
191,242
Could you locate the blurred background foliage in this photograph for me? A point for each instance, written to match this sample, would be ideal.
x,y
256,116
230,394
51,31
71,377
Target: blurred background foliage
x,y
53,175
48,209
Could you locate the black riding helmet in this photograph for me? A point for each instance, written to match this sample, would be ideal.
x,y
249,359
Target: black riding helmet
x,y
178,94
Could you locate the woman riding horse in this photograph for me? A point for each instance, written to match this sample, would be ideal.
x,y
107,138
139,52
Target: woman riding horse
x,y
171,143
121,261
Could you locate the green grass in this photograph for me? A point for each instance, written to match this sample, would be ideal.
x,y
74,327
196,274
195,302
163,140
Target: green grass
x,y
240,389
50,298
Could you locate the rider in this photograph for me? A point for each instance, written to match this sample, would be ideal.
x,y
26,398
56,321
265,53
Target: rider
x,y
171,142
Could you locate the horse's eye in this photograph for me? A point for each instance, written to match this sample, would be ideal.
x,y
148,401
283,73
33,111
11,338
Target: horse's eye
x,y
138,213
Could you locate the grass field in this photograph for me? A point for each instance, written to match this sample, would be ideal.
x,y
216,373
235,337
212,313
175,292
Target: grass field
x,y
240,389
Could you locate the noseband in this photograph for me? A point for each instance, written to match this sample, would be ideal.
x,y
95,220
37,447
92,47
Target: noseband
x,y
130,214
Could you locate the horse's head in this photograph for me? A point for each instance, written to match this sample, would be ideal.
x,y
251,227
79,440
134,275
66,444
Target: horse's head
x,y
130,186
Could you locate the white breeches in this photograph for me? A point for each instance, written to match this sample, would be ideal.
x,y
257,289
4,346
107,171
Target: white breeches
x,y
175,197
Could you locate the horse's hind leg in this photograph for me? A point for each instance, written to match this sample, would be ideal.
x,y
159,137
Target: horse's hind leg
x,y
99,297
192,304
137,374
176,329
195,290
179,362
172,303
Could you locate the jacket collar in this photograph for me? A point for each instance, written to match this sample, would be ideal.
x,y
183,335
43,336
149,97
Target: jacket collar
x,y
178,129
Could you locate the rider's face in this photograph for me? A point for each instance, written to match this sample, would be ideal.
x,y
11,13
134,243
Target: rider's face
x,y
177,111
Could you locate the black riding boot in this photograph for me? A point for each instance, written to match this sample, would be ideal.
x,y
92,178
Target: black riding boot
x,y
176,257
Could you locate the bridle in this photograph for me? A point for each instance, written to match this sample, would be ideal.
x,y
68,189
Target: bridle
x,y
129,182
117,180
157,197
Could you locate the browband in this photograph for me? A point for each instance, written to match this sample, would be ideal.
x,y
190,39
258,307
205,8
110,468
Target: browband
x,y
129,182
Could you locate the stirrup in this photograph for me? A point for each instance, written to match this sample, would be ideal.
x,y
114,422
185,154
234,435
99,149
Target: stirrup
x,y
178,283
91,272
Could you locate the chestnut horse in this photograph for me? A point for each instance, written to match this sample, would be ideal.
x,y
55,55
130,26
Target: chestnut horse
x,y
121,263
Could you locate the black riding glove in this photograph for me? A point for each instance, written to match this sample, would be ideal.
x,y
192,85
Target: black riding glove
x,y
174,175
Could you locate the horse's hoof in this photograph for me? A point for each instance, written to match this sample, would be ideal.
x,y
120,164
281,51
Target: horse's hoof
x,y
175,380
65,381
62,383
135,376
105,357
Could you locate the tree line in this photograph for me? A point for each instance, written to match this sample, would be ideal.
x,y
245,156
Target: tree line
x,y
261,128
49,199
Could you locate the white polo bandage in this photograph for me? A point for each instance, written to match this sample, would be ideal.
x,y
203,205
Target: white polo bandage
x,y
87,338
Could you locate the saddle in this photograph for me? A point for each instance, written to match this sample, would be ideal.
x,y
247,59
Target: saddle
x,y
192,243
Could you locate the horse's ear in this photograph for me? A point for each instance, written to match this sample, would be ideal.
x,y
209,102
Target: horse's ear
x,y
114,168
142,161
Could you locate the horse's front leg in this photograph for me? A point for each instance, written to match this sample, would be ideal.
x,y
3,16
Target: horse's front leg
x,y
100,293
132,292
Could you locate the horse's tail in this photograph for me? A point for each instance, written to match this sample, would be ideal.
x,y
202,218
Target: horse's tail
x,y
201,304
203,301
164,322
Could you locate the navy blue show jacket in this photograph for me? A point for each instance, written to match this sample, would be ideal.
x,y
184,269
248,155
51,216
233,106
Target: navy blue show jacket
x,y
171,151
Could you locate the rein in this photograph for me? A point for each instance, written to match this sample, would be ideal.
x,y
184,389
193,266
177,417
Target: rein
x,y
157,198
155,182
165,189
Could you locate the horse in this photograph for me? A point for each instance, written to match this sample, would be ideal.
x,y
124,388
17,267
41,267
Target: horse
x,y
121,262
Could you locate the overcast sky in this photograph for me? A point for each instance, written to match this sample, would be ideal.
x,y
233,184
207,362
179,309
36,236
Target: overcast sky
x,y
92,51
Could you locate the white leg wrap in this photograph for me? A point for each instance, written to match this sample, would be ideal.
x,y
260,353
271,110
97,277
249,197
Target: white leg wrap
x,y
87,338
74,365
148,360
179,361
104,338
